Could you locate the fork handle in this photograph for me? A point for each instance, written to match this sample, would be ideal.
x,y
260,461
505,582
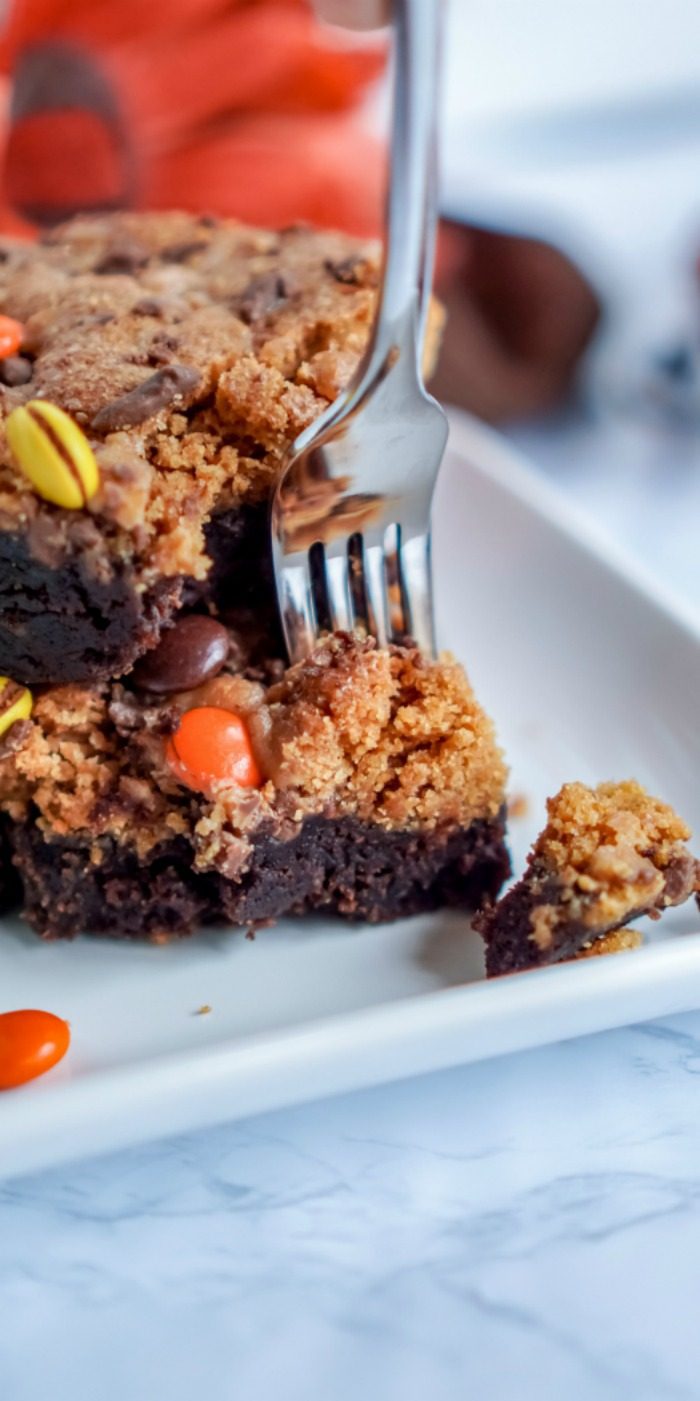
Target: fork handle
x,y
411,213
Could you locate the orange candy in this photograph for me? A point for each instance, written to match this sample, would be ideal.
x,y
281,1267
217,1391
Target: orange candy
x,y
211,747
31,1043
11,333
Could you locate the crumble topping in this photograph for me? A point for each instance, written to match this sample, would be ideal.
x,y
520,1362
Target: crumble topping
x,y
381,734
614,851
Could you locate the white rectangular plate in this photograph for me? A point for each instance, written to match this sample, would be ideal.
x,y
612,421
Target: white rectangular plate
x,y
590,674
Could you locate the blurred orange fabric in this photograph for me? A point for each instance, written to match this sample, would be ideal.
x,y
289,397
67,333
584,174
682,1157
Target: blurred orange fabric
x,y
233,107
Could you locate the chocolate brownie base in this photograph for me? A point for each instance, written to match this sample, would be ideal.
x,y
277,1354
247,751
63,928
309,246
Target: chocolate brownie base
x,y
10,887
510,927
75,622
507,929
342,865
78,615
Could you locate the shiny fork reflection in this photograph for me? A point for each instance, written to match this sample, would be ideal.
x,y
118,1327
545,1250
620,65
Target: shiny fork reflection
x,y
351,514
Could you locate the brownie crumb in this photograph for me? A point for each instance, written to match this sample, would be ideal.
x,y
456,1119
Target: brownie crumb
x,y
618,941
606,856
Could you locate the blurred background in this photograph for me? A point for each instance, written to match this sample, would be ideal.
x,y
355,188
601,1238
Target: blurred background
x,y
569,257
581,124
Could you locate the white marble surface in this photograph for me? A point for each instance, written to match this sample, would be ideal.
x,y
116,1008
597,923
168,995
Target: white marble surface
x,y
525,1227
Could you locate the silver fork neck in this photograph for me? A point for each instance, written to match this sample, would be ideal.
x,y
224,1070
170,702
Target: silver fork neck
x,y
412,190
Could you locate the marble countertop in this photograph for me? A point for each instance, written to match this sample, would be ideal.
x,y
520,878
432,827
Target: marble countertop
x,y
527,1226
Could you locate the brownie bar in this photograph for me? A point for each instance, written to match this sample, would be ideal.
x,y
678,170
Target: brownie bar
x,y
339,865
607,856
378,791
191,353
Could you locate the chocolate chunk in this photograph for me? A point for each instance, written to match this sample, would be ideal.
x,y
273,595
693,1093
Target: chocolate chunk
x,y
171,385
191,652
262,295
125,256
354,271
162,349
180,252
16,369
148,306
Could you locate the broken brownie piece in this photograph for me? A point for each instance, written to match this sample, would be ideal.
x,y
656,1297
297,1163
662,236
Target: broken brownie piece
x,y
606,856
364,781
190,353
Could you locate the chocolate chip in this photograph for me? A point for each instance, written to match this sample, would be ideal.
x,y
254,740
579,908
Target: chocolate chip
x,y
125,256
181,252
172,384
148,306
262,295
16,369
353,271
191,652
14,738
162,349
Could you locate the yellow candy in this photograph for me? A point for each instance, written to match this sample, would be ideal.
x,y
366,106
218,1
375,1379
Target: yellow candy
x,y
19,709
53,453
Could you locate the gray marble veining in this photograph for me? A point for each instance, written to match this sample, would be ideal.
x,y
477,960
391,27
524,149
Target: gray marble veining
x,y
526,1226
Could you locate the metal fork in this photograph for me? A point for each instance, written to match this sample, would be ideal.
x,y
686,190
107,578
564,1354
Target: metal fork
x,y
351,512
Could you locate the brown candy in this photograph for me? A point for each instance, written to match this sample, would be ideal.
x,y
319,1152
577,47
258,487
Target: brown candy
x,y
14,370
189,653
171,385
